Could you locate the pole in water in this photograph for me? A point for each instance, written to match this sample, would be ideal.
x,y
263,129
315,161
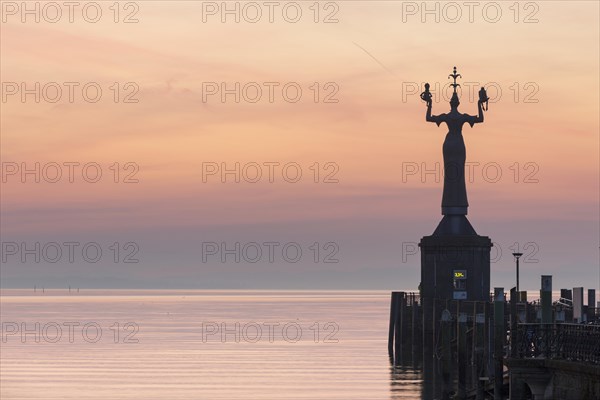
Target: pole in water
x,y
499,334
392,325
398,334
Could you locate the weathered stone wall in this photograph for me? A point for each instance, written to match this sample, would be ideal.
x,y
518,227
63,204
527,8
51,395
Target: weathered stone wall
x,y
576,381
554,380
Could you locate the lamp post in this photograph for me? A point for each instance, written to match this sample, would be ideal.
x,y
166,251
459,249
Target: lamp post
x,y
517,256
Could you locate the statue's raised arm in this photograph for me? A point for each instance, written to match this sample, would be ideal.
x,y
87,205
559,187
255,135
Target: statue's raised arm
x,y
482,104
426,97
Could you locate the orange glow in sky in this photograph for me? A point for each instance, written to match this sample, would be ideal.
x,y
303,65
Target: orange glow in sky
x,y
356,132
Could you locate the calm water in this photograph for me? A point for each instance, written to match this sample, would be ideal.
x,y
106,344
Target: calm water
x,y
277,345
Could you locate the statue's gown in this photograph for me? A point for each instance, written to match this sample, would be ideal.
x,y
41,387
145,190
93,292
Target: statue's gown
x,y
454,198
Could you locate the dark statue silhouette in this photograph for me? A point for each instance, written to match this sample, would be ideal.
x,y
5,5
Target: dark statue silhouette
x,y
455,266
454,198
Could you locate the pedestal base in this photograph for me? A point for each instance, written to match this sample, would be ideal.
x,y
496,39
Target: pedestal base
x,y
455,265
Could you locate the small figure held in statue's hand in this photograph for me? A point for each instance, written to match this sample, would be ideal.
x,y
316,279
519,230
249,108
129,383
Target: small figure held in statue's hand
x,y
426,95
483,98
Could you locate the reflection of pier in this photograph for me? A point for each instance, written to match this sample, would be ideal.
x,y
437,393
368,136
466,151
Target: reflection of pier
x,y
463,346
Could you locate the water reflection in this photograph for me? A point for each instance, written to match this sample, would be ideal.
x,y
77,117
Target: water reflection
x,y
406,382
172,361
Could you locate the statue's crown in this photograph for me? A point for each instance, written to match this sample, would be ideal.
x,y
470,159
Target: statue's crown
x,y
454,75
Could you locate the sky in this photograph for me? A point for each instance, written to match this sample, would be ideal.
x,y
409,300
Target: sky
x,y
289,149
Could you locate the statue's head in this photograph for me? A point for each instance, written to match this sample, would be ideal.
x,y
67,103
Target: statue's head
x,y
454,101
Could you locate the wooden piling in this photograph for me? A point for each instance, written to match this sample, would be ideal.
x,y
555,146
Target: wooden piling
x,y
413,323
499,334
487,334
591,316
392,325
427,347
461,347
446,352
398,335
513,321
546,299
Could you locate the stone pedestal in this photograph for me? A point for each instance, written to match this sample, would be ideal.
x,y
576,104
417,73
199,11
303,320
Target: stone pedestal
x,y
455,262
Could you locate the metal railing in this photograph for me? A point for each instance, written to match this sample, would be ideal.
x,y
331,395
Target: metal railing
x,y
571,342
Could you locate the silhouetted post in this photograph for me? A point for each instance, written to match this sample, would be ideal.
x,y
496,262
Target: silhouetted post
x,y
517,256
405,325
416,334
413,322
474,330
487,338
461,342
446,332
434,321
428,336
399,335
392,325
578,305
479,346
546,299
499,335
513,322
591,305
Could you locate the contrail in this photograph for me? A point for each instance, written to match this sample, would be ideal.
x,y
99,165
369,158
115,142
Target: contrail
x,y
373,57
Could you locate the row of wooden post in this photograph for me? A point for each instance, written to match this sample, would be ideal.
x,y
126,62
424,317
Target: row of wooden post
x,y
425,326
430,325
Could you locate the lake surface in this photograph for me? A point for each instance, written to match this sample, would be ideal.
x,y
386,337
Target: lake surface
x,y
199,345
